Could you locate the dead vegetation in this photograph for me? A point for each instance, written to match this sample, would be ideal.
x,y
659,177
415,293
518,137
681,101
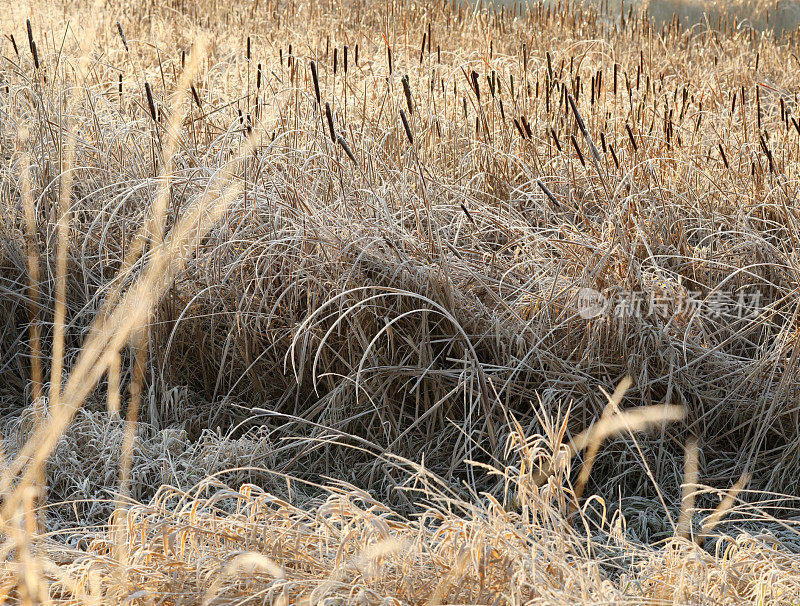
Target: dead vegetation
x,y
340,255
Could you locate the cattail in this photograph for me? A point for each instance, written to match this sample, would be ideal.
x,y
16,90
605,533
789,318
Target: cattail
x,y
466,212
767,153
248,48
196,96
355,59
547,192
335,60
511,84
491,83
344,62
555,139
407,92
183,59
519,128
502,112
422,50
429,38
346,149
613,155
120,87
616,70
32,44
122,35
758,106
14,44
475,85
576,113
316,82
438,54
724,157
407,127
631,137
150,102
258,77
796,125
577,149
603,142
329,116
526,126
389,57
280,56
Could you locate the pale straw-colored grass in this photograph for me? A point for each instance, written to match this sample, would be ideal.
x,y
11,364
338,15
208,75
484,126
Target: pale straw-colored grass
x,y
303,347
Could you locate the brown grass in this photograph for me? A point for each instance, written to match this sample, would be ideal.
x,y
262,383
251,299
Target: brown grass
x,y
307,284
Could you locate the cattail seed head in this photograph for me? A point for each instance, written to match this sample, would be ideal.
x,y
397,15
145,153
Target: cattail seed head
x,y
407,127
14,44
546,192
407,92
722,154
150,103
526,126
195,96
122,36
555,139
631,137
519,129
316,81
475,85
329,116
32,44
613,155
577,150
347,149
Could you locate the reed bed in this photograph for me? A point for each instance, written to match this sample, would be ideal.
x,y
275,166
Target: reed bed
x,y
321,302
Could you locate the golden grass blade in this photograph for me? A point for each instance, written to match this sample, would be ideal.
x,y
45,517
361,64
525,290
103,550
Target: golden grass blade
x,y
689,488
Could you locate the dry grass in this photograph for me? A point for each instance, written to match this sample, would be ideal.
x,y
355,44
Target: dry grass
x,y
335,253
